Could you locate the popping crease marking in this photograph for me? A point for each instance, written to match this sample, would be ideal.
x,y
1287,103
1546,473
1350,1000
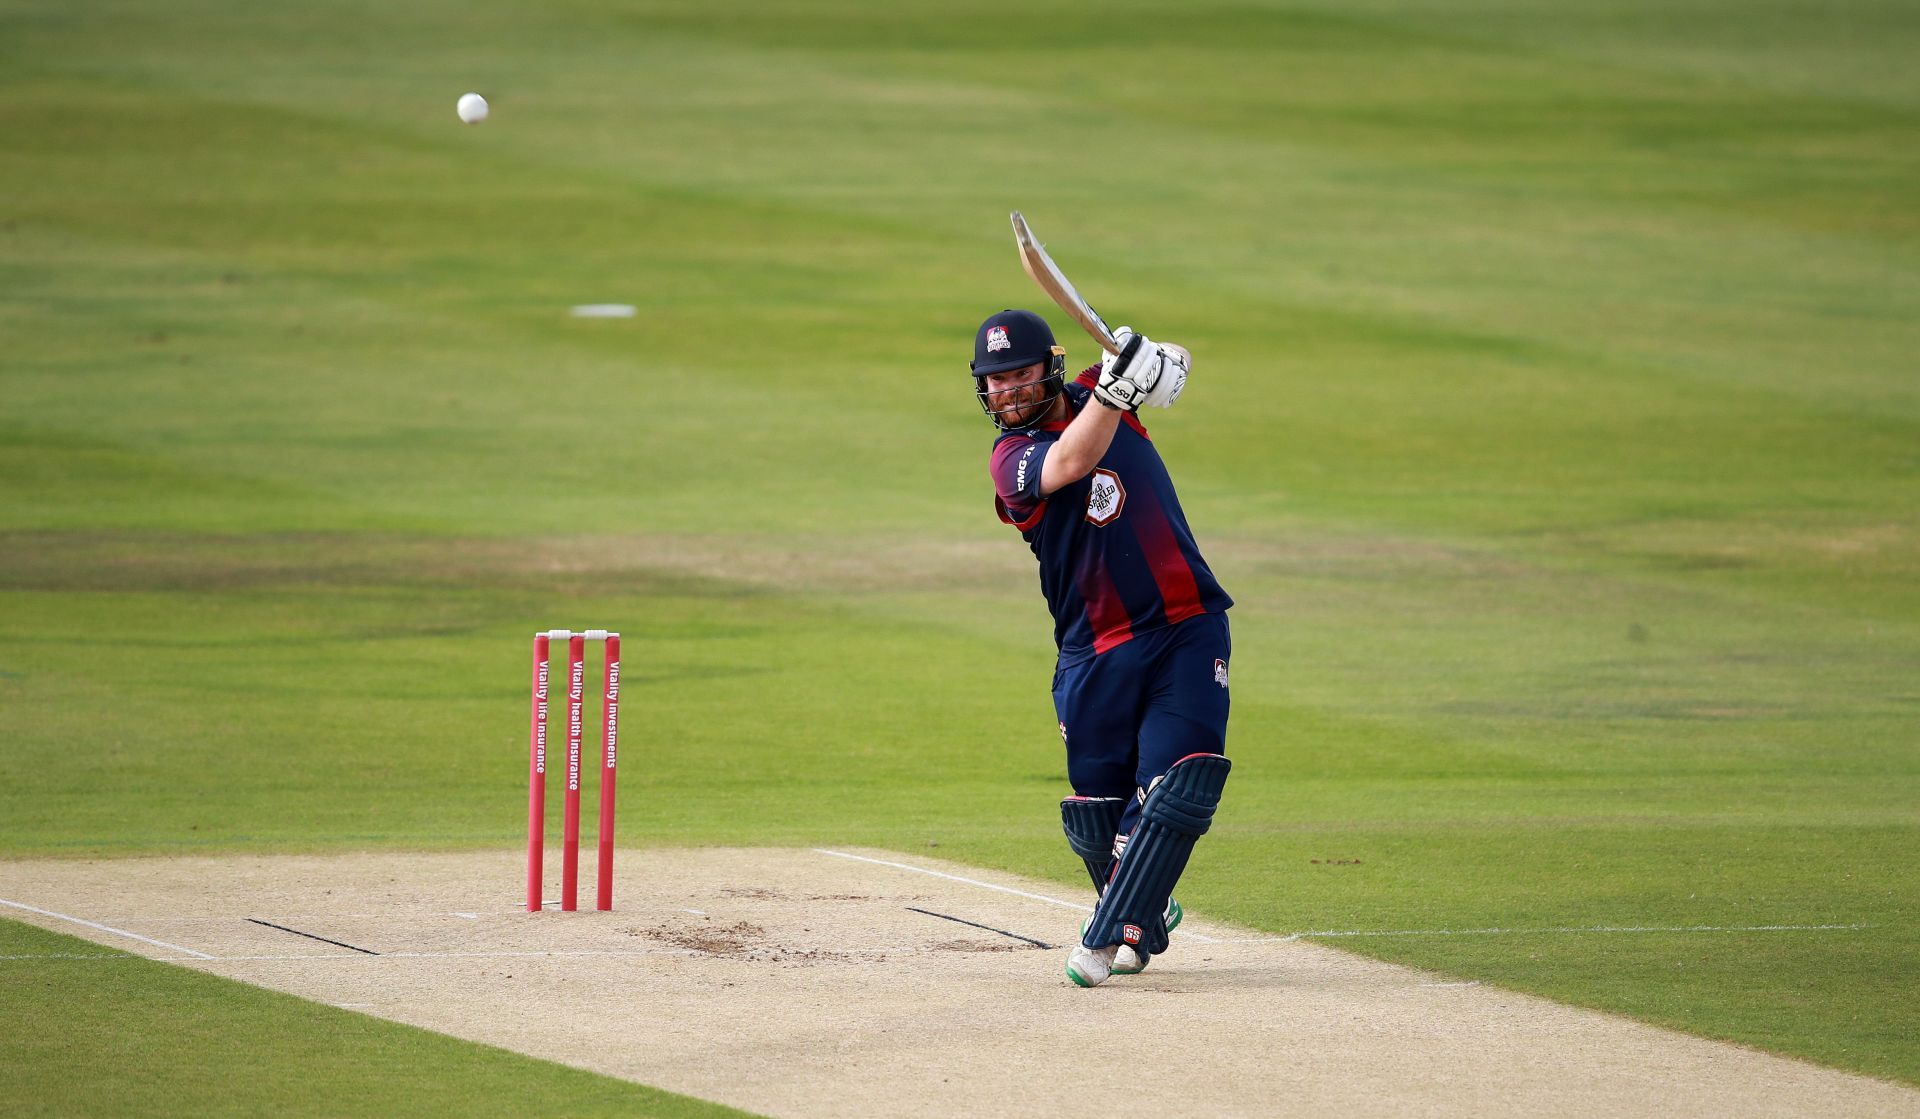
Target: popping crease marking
x,y
568,954
989,886
1290,937
322,958
395,915
107,929
1276,939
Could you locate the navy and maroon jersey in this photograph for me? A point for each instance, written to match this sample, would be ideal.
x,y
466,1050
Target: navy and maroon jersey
x,y
1116,556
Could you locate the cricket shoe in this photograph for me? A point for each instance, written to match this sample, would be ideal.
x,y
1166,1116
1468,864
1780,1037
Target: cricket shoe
x,y
1130,960
1089,967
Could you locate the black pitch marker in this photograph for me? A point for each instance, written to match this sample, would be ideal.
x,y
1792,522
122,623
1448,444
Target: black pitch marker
x,y
310,936
978,925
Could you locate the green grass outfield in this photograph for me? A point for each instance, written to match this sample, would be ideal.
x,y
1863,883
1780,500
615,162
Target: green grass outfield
x,y
132,1037
1555,422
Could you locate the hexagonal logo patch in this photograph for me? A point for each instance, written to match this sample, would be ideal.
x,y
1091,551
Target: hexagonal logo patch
x,y
1105,497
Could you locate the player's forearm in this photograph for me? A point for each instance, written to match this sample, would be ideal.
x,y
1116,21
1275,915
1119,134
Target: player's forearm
x,y
1080,447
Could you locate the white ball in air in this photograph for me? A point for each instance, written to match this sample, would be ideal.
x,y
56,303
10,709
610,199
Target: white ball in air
x,y
472,108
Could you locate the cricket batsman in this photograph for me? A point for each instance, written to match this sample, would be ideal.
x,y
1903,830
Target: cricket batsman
x,y
1141,624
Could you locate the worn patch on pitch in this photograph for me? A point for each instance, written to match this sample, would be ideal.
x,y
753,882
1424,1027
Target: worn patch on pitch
x,y
865,983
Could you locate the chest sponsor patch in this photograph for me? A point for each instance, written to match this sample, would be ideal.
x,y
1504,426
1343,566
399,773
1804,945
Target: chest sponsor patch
x,y
1105,497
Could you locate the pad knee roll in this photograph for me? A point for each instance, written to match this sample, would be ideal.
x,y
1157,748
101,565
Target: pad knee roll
x,y
1178,811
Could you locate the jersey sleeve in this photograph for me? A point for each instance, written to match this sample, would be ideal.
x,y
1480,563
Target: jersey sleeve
x,y
1015,467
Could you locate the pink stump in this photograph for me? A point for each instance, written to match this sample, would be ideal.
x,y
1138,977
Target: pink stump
x,y
609,737
570,821
537,775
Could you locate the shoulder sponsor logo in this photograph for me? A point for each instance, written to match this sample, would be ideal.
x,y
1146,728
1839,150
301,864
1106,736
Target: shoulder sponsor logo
x,y
997,339
1020,476
1105,497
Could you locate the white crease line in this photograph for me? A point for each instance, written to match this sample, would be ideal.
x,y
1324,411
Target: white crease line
x,y
1290,937
106,929
301,956
397,915
956,878
753,954
991,886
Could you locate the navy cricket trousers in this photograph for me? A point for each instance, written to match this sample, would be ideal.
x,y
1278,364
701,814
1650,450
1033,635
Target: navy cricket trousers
x,y
1129,713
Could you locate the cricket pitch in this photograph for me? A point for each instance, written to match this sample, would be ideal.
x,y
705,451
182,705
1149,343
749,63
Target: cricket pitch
x,y
815,982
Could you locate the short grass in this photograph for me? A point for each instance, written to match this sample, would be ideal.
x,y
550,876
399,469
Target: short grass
x,y
98,1032
1554,424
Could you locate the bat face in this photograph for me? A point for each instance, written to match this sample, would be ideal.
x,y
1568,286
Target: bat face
x,y
1051,280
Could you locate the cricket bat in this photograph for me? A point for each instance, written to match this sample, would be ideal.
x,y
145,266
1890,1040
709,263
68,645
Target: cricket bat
x,y
1047,274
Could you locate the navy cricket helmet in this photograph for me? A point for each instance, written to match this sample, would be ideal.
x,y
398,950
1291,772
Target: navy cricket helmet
x,y
1013,340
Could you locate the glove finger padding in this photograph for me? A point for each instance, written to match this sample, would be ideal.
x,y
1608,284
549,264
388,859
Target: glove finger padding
x,y
1127,377
1176,363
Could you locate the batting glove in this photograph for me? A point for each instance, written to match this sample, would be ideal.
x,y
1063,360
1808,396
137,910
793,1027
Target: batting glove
x,y
1128,376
